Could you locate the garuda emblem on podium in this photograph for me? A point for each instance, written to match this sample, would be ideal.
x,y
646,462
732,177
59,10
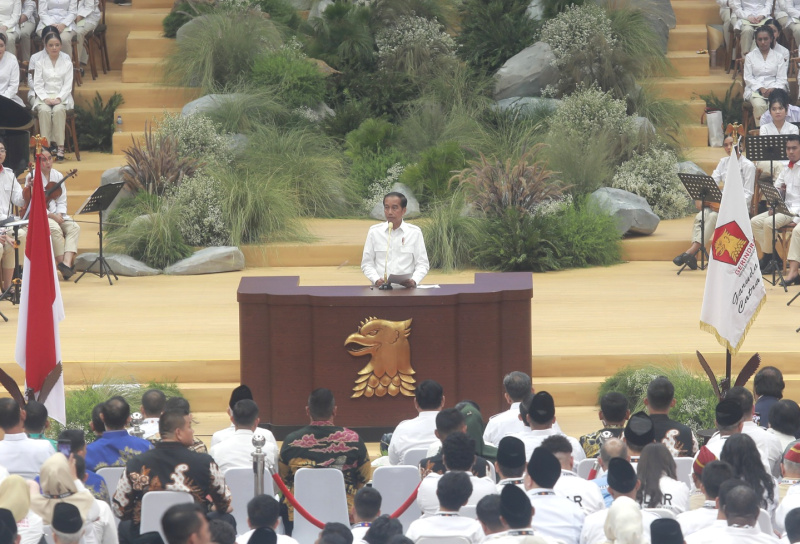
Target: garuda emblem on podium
x,y
389,368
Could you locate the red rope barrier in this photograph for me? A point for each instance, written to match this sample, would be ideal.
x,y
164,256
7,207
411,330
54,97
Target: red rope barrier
x,y
297,508
403,507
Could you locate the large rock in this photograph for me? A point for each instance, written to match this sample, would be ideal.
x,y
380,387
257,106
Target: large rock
x,y
318,9
659,14
115,175
526,73
412,209
526,105
122,265
206,103
209,261
644,126
688,167
632,212
535,9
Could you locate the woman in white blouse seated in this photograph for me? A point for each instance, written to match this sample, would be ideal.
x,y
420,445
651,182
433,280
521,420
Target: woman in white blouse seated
x,y
9,16
764,70
9,73
62,15
660,487
776,29
778,108
52,87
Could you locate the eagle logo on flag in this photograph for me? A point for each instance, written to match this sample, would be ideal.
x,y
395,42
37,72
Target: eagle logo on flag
x,y
729,243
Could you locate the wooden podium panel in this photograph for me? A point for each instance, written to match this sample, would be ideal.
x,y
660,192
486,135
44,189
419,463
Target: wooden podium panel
x,y
464,336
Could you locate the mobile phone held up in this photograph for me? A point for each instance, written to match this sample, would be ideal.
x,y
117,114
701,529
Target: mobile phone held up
x,y
65,447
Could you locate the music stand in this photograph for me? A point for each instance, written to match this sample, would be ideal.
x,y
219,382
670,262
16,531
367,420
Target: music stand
x,y
774,201
704,189
767,148
99,201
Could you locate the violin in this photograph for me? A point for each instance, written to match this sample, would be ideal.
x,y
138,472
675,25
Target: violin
x,y
52,190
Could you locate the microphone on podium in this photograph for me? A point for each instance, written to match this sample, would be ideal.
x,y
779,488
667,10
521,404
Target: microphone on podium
x,y
386,285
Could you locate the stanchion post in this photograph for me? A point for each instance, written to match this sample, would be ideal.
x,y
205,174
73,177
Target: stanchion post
x,y
136,421
259,460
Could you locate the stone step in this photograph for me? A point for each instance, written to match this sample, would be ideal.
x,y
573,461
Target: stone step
x,y
152,4
684,88
687,38
135,118
705,157
142,70
139,19
149,44
692,12
689,63
122,140
136,95
696,135
694,109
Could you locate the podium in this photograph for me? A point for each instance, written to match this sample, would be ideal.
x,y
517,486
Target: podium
x,y
294,339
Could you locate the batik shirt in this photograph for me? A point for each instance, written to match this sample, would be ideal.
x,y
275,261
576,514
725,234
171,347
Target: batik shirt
x,y
97,486
114,449
324,445
592,442
198,446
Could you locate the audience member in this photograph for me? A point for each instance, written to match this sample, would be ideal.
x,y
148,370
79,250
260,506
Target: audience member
x,y
728,416
516,514
541,417
696,497
660,486
264,512
222,532
153,404
18,453
36,422
677,437
96,424
613,414
789,500
556,516
488,512
115,447
639,432
8,528
740,452
321,443
666,531
768,387
15,496
67,524
711,533
180,404
241,392
713,475
382,529
185,523
624,522
517,386
611,448
580,491
94,483
334,529
458,456
100,515
448,421
768,444
172,466
511,463
366,508
473,419
453,490
784,421
237,449
420,431
741,514
792,523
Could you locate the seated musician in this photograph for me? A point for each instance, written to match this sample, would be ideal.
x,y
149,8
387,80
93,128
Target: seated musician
x,y
779,124
64,232
10,194
748,170
788,182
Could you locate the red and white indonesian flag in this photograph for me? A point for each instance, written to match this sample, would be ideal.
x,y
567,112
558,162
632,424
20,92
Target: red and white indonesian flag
x,y
40,310
734,288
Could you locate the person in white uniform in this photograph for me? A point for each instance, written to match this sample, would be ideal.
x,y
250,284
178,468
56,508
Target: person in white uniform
x,y
263,512
517,386
555,516
236,451
10,195
420,431
86,21
153,403
26,25
767,443
18,453
714,473
741,515
788,490
9,71
62,15
666,531
52,87
240,392
516,514
660,486
366,509
784,422
748,15
748,172
541,417
453,490
708,534
394,246
778,125
582,492
740,452
765,69
488,513
511,463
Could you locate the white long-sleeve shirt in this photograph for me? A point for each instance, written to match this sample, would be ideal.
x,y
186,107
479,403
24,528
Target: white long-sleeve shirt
x,y
54,80
9,77
401,252
747,8
57,205
791,177
89,10
9,14
53,12
29,9
792,116
10,192
747,169
790,8
770,73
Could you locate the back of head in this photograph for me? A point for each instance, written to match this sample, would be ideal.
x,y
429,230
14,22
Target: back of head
x,y
742,502
639,432
792,525
367,503
517,385
769,382
429,395
170,421
180,522
660,393
624,522
116,412
382,529
35,417
241,392
715,474
744,398
222,532
611,448
245,413
9,413
453,490
515,507
76,437
178,404
97,422
338,532
458,452
263,511
725,488
153,402
784,417
741,453
560,446
8,527
67,523
449,421
321,404
511,459
614,407
728,415
543,468
542,409
666,531
488,512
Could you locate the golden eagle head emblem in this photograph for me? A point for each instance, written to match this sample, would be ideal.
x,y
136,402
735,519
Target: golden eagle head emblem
x,y
730,244
389,368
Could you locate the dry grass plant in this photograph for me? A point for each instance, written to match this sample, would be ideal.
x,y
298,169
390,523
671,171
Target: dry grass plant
x,y
156,163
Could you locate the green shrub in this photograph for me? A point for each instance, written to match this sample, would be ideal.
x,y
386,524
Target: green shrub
x,y
597,162
220,50
730,105
378,188
386,13
654,176
696,400
181,14
429,124
666,115
296,80
371,136
348,116
518,241
551,8
95,126
197,136
493,31
429,178
451,236
248,108
281,12
587,236
368,167
415,46
342,37
155,163
200,200
510,133
150,232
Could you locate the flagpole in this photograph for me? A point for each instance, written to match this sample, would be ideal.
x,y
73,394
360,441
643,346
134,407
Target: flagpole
x,y
727,370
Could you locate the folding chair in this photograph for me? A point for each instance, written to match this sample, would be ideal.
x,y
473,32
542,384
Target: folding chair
x,y
585,467
665,513
155,503
443,540
468,511
111,475
321,492
684,470
240,481
395,484
414,456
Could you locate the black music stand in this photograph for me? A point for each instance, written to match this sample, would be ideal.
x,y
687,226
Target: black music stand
x,y
704,189
99,201
16,279
767,148
776,203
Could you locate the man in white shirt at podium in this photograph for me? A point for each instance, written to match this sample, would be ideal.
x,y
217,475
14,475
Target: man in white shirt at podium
x,y
395,247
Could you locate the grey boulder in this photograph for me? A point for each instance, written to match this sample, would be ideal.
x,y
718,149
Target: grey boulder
x,y
535,9
318,9
122,265
527,73
210,260
206,103
527,105
115,175
632,212
688,167
412,210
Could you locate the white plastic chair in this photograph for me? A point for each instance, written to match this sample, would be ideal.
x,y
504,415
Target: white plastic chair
x,y
585,467
684,470
468,511
321,492
395,484
414,456
665,513
491,473
111,475
155,503
47,530
443,540
764,522
240,482
27,475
